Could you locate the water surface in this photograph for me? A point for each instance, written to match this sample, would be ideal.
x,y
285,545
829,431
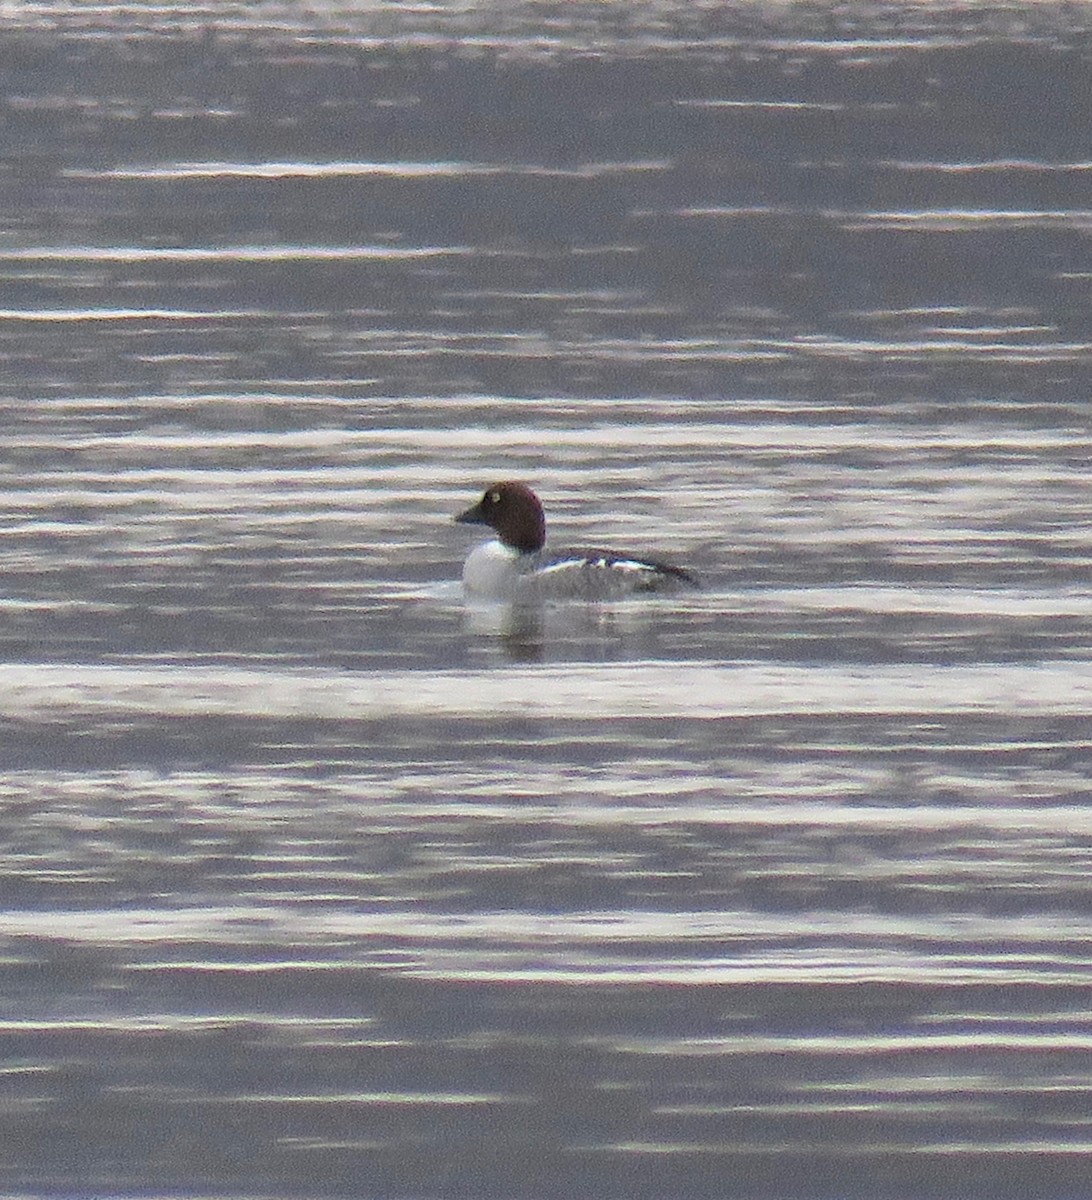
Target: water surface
x,y
316,882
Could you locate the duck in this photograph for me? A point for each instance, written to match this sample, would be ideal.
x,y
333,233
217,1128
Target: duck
x,y
516,566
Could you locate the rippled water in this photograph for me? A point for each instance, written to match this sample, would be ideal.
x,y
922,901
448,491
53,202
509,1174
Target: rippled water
x,y
315,882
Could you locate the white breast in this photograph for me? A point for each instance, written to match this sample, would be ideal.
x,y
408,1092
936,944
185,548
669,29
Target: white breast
x,y
492,572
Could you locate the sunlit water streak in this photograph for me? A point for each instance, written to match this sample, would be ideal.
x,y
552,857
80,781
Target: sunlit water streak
x,y
633,689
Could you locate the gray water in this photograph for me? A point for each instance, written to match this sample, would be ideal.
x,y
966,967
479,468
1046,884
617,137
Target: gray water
x,y
315,882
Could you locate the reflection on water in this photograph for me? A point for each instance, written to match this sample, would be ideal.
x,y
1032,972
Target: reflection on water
x,y
317,881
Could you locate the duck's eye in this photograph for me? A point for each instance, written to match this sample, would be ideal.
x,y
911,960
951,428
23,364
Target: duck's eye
x,y
494,497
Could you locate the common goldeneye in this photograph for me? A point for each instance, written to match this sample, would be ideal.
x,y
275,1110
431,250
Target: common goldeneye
x,y
515,565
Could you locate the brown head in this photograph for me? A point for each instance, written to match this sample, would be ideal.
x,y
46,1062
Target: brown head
x,y
514,511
